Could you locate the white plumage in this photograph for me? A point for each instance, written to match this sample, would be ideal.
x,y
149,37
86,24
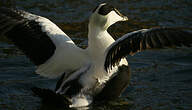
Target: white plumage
x,y
86,71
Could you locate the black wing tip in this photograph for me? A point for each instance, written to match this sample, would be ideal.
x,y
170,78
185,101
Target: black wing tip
x,y
106,67
109,66
42,93
8,9
185,29
176,36
49,97
14,12
23,30
108,63
156,37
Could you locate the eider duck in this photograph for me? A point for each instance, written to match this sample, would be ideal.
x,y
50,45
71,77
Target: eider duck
x,y
99,72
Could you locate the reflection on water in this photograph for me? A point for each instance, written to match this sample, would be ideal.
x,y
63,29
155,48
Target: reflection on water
x,y
160,79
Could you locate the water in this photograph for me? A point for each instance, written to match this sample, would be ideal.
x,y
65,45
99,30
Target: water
x,y
161,79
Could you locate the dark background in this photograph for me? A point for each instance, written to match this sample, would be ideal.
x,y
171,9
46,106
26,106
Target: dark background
x,y
161,79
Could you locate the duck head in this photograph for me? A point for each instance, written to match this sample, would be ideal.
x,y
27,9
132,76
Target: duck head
x,y
104,15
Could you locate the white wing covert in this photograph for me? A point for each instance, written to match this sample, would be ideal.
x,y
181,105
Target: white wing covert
x,y
45,44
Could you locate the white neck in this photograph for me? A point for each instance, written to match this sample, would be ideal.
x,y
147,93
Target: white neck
x,y
98,40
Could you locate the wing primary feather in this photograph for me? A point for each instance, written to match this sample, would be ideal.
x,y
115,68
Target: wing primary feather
x,y
149,42
163,39
155,40
137,41
175,38
186,41
43,42
22,32
143,43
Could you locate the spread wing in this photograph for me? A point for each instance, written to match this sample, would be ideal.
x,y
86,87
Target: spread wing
x,y
140,40
46,45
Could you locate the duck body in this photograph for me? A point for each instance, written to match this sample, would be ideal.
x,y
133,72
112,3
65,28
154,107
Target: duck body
x,y
92,77
99,72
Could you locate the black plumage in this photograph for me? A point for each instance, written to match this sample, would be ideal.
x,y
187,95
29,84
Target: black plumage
x,y
59,82
115,86
105,9
72,87
27,34
137,41
49,97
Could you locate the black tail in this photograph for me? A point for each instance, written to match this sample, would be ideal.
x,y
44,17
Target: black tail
x,y
50,97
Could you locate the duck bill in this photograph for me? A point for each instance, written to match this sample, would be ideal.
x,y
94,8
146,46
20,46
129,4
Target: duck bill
x,y
125,18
